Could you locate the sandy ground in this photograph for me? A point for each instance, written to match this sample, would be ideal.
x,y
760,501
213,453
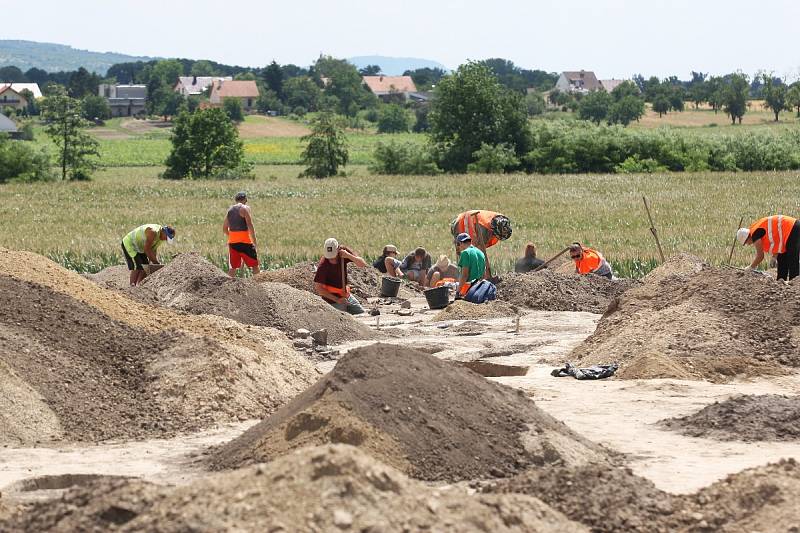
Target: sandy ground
x,y
618,413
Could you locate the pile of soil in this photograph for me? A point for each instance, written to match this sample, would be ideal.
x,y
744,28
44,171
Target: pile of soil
x,y
88,364
192,284
363,281
689,320
429,418
462,310
769,417
327,488
614,499
548,290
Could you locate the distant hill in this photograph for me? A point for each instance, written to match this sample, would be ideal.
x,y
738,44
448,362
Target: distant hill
x,y
57,57
395,66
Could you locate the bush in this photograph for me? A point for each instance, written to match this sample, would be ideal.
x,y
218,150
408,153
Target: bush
x,y
203,144
233,108
493,159
243,172
635,165
403,159
21,162
26,132
392,118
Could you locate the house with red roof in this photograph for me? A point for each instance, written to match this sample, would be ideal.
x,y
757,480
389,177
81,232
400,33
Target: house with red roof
x,y
386,87
245,90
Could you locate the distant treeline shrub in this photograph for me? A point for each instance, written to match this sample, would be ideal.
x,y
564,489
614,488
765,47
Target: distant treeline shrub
x,y
398,158
563,147
19,161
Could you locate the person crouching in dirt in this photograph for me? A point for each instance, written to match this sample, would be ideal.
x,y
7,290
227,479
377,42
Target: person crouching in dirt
x,y
388,263
589,261
416,265
238,226
330,280
485,228
472,263
529,261
442,272
140,245
777,235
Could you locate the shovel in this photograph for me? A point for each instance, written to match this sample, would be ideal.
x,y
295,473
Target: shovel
x,y
149,269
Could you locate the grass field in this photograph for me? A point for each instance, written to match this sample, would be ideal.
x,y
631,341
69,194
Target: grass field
x,y
81,224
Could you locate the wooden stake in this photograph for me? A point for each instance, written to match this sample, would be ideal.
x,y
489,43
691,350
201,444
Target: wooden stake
x,y
653,230
733,245
559,254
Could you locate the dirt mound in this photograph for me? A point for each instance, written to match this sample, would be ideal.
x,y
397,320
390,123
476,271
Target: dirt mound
x,y
328,488
429,418
548,290
693,321
363,281
190,283
747,418
461,310
87,363
607,499
614,499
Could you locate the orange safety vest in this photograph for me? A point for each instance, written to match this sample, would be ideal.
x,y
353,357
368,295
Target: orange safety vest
x,y
236,237
468,221
778,228
341,292
591,261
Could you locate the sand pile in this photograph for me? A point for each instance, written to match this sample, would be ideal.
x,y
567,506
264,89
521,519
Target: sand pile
x,y
87,363
548,290
614,499
461,310
693,321
426,417
363,281
331,488
769,417
192,284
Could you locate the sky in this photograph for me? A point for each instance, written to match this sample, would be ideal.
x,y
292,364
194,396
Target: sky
x,y
614,38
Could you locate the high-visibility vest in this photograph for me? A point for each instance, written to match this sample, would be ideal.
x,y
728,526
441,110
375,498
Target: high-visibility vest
x,y
590,262
778,228
341,292
135,240
469,221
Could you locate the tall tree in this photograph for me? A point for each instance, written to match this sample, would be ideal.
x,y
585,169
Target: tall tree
x,y
774,93
793,97
77,150
595,106
303,92
345,84
203,143
472,108
12,74
370,70
734,96
82,83
273,78
203,68
426,77
326,147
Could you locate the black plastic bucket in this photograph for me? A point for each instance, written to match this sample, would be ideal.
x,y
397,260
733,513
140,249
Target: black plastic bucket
x,y
438,298
390,287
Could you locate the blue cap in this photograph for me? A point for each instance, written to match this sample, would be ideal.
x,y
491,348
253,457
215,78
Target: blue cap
x,y
463,237
169,232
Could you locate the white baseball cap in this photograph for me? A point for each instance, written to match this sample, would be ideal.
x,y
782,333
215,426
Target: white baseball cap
x,y
742,234
331,248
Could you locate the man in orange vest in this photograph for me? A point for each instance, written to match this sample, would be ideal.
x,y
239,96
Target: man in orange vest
x,y
330,280
238,226
486,228
779,236
589,261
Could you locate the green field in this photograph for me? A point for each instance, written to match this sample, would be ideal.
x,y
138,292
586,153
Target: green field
x,y
81,224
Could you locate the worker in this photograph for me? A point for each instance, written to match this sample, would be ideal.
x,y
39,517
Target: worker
x,y
330,280
388,263
485,228
242,244
140,245
778,235
589,261
528,261
472,262
442,272
416,265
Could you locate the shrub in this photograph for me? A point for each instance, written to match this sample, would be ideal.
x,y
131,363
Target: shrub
x,y
493,159
233,108
203,143
21,162
392,118
326,147
635,165
403,159
241,172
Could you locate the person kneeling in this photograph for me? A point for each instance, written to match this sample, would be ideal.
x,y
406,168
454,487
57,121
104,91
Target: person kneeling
x,y
330,280
388,263
589,261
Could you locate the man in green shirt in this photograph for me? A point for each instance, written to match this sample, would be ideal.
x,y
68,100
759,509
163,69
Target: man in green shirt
x,y
140,245
472,263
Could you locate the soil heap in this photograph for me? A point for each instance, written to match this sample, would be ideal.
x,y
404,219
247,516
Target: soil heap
x,y
84,363
548,290
429,418
614,499
363,281
770,417
689,320
327,488
190,283
463,310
